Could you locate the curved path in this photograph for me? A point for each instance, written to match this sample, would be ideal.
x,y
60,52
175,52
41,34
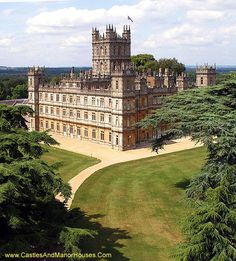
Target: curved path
x,y
110,156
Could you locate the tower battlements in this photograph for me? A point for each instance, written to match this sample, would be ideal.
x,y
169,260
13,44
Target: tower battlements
x,y
36,70
206,69
111,34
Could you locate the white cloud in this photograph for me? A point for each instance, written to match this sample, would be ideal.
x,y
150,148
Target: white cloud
x,y
68,18
5,41
204,15
29,1
75,41
7,12
191,35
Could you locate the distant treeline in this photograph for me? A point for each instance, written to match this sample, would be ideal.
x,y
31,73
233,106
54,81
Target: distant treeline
x,y
13,81
22,71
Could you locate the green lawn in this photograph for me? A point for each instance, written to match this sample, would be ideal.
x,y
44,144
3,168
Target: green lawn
x,y
71,163
137,206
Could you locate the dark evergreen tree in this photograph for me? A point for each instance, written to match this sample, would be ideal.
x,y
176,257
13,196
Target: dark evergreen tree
x,y
30,217
208,115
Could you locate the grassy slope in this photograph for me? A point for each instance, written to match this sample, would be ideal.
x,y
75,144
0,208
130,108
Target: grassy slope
x,y
72,163
143,198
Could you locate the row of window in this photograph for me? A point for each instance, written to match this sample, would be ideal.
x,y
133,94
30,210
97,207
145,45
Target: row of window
x,y
78,114
70,129
76,99
116,50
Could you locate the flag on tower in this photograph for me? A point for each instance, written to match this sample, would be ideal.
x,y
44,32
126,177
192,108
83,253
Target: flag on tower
x,y
130,19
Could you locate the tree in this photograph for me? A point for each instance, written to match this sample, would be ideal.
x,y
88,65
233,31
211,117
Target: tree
x,y
20,92
208,115
2,91
30,216
13,87
140,60
145,62
172,64
55,80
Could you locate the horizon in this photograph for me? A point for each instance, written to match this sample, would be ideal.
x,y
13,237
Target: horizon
x,y
57,33
86,66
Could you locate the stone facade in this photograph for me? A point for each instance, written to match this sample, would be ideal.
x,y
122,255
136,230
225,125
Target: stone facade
x,y
205,76
104,104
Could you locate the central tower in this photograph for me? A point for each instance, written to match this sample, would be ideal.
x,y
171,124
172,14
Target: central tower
x,y
110,51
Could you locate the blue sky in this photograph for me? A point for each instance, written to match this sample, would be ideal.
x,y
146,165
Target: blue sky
x,y
58,32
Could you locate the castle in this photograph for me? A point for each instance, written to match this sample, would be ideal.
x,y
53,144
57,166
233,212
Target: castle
x,y
104,104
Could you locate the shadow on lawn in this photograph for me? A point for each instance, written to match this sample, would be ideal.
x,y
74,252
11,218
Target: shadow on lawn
x,y
183,184
107,238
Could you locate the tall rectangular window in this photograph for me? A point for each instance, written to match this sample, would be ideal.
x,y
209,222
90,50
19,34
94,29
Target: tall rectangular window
x,y
109,118
57,97
46,109
78,131
78,114
101,102
64,98
71,99
102,135
117,140
58,111
93,116
85,115
52,111
110,103
71,113
93,101
102,117
52,125
51,97
58,127
71,130
85,100
109,136
117,104
78,99
86,132
94,134
64,112
46,124
46,97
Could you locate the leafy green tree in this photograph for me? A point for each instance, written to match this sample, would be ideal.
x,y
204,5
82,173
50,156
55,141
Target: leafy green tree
x,y
2,91
140,60
223,77
30,216
8,84
208,115
55,80
20,92
172,64
145,62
